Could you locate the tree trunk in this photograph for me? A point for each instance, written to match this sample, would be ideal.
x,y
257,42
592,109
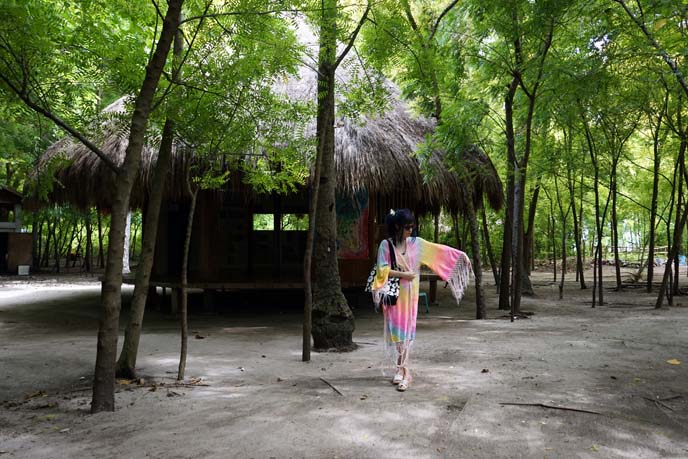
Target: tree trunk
x,y
68,247
480,309
598,220
308,259
104,379
580,276
36,242
126,364
127,241
490,252
553,243
46,249
653,208
517,273
88,256
101,254
79,238
437,228
564,217
56,246
505,285
457,231
615,223
184,294
529,236
678,234
675,284
333,321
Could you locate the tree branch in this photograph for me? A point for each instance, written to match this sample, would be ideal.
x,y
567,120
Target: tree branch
x,y
352,37
439,18
62,124
670,62
238,13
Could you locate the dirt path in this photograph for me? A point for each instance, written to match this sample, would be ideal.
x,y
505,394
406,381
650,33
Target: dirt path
x,y
257,399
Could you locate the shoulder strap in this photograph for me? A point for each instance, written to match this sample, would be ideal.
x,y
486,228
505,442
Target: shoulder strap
x,y
392,254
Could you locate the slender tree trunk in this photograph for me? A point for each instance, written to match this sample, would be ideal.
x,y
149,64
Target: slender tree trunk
x,y
437,228
101,254
308,260
126,364
653,209
79,239
553,243
488,247
529,234
615,223
104,379
457,231
675,260
56,246
88,257
132,248
517,241
36,242
480,309
183,306
127,241
563,260
678,229
528,243
506,275
46,250
68,248
580,276
564,217
598,219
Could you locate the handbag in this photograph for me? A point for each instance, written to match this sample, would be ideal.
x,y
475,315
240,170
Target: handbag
x,y
390,291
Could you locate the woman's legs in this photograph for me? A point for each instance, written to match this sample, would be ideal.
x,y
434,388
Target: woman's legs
x,y
403,361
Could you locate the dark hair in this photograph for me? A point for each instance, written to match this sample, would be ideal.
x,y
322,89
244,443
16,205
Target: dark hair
x,y
395,220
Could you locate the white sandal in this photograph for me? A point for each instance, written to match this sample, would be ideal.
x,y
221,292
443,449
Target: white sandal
x,y
403,385
398,378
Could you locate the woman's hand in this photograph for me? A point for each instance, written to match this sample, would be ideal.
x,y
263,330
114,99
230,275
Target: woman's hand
x,y
409,275
403,275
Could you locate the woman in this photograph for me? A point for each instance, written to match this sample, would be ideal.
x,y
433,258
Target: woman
x,y
410,253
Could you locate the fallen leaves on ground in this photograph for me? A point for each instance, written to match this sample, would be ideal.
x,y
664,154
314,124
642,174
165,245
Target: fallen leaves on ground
x,y
673,362
40,393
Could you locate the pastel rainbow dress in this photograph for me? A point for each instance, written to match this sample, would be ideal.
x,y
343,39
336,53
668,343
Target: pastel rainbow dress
x,y
449,264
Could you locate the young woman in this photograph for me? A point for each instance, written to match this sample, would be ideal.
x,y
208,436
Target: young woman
x,y
450,264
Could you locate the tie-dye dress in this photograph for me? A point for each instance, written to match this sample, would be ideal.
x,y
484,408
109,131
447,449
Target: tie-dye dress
x,y
449,264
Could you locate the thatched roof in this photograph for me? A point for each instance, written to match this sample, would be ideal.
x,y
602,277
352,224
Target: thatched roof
x,y
84,180
376,154
373,152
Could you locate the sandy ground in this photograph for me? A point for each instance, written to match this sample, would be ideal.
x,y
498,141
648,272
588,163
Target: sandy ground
x,y
256,399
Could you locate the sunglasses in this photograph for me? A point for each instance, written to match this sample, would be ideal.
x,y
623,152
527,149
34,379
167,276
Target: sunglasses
x,y
409,227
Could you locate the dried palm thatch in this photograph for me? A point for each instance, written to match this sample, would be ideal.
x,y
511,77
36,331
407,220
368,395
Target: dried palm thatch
x,y
83,180
376,154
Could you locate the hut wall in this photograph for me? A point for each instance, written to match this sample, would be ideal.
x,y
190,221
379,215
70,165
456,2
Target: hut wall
x,y
225,248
